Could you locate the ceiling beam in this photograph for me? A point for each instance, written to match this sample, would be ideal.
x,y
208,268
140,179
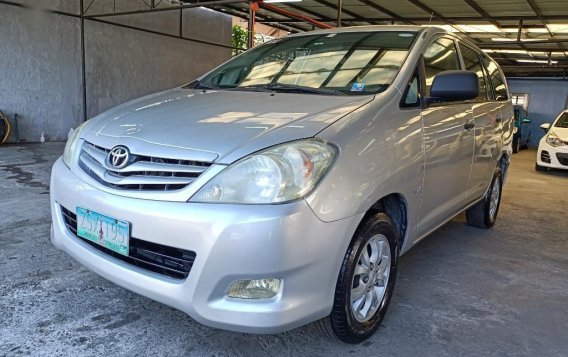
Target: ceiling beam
x,y
453,19
386,11
243,14
345,11
293,15
168,8
431,12
310,12
482,12
540,15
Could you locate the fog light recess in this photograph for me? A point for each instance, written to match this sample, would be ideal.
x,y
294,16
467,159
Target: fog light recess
x,y
254,289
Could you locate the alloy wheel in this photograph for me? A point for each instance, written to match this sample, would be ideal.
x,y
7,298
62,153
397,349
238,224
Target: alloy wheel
x,y
370,278
494,199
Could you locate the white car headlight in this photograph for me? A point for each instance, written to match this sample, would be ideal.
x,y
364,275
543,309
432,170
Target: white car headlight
x,y
553,140
71,145
279,174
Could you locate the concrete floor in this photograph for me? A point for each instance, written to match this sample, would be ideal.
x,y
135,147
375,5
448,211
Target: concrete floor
x,y
462,291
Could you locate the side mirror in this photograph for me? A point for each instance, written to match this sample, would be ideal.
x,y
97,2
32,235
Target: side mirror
x,y
454,86
526,121
545,127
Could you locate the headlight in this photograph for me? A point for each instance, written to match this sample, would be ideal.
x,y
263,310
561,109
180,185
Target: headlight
x,y
554,140
71,146
279,174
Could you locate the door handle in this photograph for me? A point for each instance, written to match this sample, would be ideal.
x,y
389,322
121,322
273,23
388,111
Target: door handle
x,y
469,126
498,119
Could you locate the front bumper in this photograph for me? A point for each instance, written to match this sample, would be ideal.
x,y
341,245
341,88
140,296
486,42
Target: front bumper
x,y
551,156
231,242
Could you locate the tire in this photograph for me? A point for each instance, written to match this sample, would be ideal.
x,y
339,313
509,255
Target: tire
x,y
347,321
516,145
537,167
484,213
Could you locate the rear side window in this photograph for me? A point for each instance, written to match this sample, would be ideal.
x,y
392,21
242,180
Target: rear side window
x,y
440,56
497,79
472,63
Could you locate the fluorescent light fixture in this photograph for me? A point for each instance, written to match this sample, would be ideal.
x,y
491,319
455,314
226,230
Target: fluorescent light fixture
x,y
522,52
535,61
502,39
269,1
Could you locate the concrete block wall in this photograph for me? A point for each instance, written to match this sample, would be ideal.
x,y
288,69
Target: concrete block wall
x,y
547,98
41,67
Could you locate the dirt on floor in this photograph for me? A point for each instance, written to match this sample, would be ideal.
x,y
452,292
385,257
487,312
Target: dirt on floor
x,y
462,291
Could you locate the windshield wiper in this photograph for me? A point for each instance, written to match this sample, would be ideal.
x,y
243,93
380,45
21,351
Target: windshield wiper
x,y
292,88
202,85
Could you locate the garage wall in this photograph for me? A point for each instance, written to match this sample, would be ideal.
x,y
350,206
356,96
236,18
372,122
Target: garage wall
x,y
40,72
547,98
40,57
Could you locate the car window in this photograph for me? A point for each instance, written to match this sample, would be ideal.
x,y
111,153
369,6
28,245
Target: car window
x,y
412,93
440,56
562,122
497,80
350,62
472,62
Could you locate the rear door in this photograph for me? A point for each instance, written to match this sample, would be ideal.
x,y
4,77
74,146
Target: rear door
x,y
503,109
485,113
448,142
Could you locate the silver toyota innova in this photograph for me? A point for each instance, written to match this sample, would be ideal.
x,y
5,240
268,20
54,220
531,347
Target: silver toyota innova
x,y
282,187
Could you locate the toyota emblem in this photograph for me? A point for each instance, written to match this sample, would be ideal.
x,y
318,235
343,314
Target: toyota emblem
x,y
118,157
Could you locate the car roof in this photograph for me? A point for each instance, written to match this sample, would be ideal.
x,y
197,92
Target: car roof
x,y
375,28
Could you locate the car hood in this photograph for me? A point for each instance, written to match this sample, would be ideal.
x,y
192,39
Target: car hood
x,y
215,125
562,133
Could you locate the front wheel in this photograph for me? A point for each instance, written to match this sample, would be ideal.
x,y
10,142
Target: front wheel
x,y
537,167
366,280
484,213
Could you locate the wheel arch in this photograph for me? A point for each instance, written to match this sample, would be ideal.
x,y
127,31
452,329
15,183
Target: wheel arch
x,y
395,205
503,164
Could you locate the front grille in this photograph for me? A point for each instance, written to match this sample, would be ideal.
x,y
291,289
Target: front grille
x,y
545,156
147,173
161,259
562,158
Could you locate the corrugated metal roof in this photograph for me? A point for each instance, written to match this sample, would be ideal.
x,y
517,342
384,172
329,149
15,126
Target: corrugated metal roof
x,y
492,24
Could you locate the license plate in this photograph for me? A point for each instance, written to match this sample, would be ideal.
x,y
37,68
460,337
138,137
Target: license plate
x,y
109,232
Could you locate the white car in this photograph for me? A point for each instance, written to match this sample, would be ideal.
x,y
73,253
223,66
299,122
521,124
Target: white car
x,y
553,147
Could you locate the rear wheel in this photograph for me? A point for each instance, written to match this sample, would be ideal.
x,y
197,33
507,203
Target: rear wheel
x,y
366,280
484,213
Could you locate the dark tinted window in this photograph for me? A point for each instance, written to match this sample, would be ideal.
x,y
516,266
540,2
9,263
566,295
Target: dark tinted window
x,y
497,79
562,122
440,56
472,63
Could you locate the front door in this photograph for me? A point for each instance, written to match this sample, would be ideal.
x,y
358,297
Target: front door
x,y
448,143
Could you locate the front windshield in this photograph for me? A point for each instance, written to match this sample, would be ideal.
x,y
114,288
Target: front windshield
x,y
562,122
336,63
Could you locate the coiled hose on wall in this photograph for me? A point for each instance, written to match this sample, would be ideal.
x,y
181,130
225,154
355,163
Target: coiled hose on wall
x,y
4,128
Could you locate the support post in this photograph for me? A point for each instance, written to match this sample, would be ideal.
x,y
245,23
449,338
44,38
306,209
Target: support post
x,y
519,33
339,11
253,7
83,65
